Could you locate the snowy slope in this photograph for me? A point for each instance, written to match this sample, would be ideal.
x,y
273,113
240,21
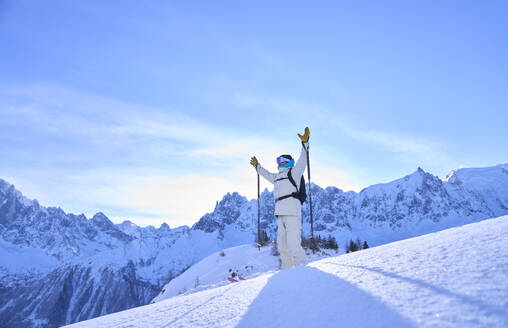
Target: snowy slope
x,y
452,278
212,271
245,261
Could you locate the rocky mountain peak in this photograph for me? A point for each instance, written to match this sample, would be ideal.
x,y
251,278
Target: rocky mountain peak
x,y
4,185
164,227
232,199
101,219
8,190
453,178
226,212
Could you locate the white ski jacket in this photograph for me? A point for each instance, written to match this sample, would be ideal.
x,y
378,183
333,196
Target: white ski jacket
x,y
291,205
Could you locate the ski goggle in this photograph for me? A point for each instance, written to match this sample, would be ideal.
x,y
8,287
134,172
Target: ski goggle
x,y
282,159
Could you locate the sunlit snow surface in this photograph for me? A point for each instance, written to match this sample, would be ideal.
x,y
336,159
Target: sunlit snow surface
x,y
452,278
246,261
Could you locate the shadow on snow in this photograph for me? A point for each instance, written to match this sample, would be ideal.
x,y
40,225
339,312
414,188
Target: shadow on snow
x,y
479,305
308,297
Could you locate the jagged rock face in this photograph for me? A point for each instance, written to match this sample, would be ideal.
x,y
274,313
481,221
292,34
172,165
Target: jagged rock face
x,y
332,210
235,213
98,267
417,197
27,224
70,294
88,267
225,213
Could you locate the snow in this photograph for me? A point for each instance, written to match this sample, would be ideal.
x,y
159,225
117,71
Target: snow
x,y
14,259
246,261
480,178
5,187
451,278
489,181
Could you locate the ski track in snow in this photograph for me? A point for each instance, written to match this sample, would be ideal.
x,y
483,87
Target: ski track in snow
x,y
452,278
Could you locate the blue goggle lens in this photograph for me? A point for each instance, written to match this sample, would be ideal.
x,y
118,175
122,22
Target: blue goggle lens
x,y
282,160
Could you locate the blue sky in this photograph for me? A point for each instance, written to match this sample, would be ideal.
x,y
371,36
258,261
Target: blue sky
x,y
150,111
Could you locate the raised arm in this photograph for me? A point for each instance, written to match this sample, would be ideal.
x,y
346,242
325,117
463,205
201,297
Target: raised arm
x,y
262,171
301,163
265,173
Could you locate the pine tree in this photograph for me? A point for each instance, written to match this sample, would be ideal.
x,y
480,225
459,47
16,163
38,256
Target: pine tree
x,y
330,243
351,246
319,241
333,243
365,245
354,246
314,245
358,243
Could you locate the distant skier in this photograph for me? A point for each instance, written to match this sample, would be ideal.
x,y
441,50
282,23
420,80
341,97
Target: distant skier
x,y
288,202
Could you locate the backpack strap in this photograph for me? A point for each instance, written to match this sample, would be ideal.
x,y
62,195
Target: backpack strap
x,y
294,194
284,197
290,177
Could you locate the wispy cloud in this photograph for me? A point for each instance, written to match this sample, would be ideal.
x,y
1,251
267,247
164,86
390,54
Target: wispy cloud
x,y
408,147
184,199
134,161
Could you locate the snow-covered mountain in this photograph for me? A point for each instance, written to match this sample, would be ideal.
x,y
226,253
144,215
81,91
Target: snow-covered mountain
x,y
413,205
451,278
57,268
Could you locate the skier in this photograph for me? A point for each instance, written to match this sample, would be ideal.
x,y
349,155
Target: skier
x,y
287,205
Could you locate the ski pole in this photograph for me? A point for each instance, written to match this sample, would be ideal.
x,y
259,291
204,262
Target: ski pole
x,y
310,198
259,215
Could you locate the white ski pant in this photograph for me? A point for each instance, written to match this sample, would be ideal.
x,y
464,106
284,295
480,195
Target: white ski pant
x,y
289,241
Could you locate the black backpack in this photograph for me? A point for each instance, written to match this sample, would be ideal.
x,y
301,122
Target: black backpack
x,y
300,194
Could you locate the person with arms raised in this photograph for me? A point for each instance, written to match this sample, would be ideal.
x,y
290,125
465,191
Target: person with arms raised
x,y
289,193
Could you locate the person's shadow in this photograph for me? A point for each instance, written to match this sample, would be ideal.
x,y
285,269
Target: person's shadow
x,y
308,297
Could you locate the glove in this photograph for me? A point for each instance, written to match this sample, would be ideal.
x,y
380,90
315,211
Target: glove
x,y
254,161
306,135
